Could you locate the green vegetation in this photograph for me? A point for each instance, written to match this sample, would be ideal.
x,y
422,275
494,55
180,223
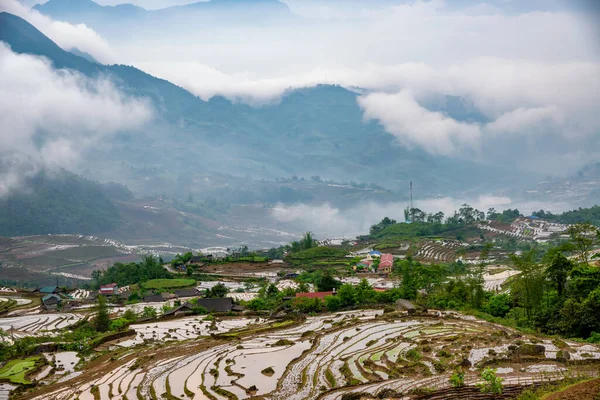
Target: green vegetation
x,y
550,388
582,215
219,290
16,371
491,383
552,293
506,216
132,273
457,379
102,320
168,283
61,203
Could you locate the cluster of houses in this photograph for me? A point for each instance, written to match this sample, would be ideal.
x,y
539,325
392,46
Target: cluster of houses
x,y
53,298
376,262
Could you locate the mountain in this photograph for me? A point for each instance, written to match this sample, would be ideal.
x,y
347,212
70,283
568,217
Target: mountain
x,y
57,202
115,20
311,131
83,54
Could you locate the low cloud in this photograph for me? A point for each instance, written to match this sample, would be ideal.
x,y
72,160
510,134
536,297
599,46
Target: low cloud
x,y
327,221
413,124
533,74
50,117
66,35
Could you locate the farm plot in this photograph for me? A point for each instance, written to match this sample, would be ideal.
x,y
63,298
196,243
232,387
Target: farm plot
x,y
494,282
19,301
15,371
29,325
438,251
326,357
184,329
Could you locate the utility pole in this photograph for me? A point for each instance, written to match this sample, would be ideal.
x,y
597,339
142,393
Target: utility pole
x,y
411,201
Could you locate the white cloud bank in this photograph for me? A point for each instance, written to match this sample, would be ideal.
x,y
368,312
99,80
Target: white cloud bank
x,y
327,221
66,35
412,124
534,75
50,117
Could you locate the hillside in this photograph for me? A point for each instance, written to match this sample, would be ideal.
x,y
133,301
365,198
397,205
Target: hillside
x,y
312,131
57,203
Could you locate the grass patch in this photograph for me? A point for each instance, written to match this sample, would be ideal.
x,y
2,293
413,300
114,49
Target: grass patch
x,y
168,283
15,371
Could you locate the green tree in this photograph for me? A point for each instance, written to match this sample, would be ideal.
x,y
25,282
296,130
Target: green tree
x,y
491,383
558,271
333,303
326,282
219,290
583,237
347,295
364,292
528,285
499,305
96,275
102,320
149,312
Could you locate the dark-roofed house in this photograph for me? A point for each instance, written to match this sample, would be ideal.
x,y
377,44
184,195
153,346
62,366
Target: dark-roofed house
x,y
184,309
223,304
315,295
51,301
49,289
155,298
168,296
187,292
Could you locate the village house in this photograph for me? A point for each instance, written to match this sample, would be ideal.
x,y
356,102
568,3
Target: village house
x,y
51,301
48,290
386,264
109,290
155,298
221,304
183,293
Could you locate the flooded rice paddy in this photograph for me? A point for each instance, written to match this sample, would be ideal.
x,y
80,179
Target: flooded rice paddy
x,y
315,358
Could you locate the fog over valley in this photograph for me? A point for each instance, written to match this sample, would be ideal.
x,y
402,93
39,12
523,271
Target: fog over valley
x,y
299,199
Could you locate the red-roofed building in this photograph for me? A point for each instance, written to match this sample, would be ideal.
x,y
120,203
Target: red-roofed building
x,y
111,289
386,263
315,295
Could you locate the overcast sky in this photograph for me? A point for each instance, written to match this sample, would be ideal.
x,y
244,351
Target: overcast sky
x,y
532,67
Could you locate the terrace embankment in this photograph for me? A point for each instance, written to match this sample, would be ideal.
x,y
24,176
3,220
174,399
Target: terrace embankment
x,y
333,356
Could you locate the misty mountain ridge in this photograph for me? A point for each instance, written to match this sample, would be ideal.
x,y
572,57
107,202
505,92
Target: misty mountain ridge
x,y
312,131
108,20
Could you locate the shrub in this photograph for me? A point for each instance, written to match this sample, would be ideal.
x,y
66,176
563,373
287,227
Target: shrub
x,y
457,379
333,303
413,354
491,383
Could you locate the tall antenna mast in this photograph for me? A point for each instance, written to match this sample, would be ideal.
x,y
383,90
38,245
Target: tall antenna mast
x,y
411,201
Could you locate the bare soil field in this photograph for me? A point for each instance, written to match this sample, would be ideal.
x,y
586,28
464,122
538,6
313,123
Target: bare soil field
x,y
589,390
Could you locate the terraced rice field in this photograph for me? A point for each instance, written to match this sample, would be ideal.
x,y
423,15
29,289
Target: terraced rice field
x,y
184,329
36,324
317,358
438,251
19,301
15,371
